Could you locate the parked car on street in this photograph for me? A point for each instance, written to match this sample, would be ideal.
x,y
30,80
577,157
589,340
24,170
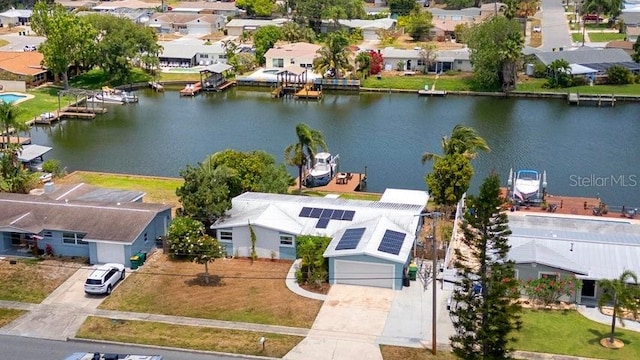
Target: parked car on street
x,y
104,278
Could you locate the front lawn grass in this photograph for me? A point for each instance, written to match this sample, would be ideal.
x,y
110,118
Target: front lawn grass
x,y
457,82
159,190
535,40
30,280
407,353
576,37
605,36
239,291
187,337
569,333
8,315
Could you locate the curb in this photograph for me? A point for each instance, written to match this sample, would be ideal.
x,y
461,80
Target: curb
x,y
204,352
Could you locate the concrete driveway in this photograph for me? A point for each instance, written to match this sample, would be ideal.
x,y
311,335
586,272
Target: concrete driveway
x,y
348,325
61,314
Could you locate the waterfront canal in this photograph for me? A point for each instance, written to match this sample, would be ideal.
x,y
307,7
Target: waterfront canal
x,y
586,151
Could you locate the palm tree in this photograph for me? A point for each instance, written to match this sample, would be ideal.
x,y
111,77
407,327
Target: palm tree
x,y
333,56
9,119
363,60
304,151
464,140
622,296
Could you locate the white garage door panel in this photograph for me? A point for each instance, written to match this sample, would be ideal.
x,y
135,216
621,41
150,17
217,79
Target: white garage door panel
x,y
363,273
110,253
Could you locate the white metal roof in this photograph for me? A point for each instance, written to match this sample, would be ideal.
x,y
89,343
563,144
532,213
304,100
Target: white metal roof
x,y
282,212
404,196
218,68
600,249
370,241
30,152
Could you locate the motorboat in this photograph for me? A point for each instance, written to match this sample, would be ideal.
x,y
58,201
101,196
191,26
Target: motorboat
x,y
527,185
113,96
325,167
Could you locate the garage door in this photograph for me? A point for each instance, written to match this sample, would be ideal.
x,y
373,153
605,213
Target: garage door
x,y
110,253
363,273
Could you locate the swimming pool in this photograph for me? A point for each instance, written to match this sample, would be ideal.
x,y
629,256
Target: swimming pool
x,y
11,98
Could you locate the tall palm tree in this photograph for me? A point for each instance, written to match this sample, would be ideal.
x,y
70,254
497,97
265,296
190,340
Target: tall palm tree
x,y
304,151
363,60
622,296
334,55
464,140
9,119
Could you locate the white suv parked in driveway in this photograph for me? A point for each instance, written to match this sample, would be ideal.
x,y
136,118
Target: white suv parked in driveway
x,y
104,278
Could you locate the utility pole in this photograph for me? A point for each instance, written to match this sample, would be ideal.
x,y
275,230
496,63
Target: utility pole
x,y
434,222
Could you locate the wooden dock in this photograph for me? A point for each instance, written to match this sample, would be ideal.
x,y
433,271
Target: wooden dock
x,y
77,115
191,89
277,92
85,109
22,140
226,85
308,92
591,99
341,183
156,86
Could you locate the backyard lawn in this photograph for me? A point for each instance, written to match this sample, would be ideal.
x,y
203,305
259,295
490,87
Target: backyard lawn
x,y
239,291
157,189
31,280
456,82
569,333
187,337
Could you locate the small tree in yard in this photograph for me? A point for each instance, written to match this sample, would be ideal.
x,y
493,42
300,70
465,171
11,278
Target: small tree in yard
x,y
314,267
622,294
187,240
254,239
619,75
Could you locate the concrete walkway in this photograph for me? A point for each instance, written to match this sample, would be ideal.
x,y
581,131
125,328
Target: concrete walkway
x,y
292,284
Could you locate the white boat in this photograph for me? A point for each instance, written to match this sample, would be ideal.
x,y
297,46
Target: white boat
x,y
324,168
527,185
112,96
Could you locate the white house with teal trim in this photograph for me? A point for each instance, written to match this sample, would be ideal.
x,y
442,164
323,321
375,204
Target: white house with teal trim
x,y
386,229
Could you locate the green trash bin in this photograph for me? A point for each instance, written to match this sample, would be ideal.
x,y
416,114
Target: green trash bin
x,y
135,262
142,257
413,270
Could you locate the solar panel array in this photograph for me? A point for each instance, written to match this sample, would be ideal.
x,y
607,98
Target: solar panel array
x,y
391,242
350,239
324,215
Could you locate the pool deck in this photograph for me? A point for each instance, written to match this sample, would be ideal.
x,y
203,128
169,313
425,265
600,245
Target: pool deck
x,y
24,97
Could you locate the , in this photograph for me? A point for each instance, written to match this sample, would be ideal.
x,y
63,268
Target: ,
x,y
104,278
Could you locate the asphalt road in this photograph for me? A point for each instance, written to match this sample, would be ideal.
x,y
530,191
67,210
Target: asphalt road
x,y
555,30
23,348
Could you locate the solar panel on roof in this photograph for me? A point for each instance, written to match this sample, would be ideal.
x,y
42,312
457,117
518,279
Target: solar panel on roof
x,y
306,211
337,214
391,242
322,223
315,213
350,239
326,213
348,215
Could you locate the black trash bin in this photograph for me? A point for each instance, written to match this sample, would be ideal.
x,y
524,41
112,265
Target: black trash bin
x,y
406,281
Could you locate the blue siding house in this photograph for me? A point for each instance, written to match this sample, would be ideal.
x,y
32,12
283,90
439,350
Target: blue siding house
x,y
101,232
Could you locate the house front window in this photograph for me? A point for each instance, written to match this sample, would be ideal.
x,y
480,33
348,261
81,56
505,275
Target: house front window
x,y
278,63
70,238
548,275
225,235
420,62
286,240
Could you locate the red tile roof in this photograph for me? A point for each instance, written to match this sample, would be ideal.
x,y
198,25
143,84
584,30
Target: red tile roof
x,y
22,62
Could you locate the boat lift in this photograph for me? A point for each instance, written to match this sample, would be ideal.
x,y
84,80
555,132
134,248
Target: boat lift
x,y
513,193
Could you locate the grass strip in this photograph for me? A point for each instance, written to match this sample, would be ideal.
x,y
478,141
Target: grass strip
x,y
569,333
407,353
8,315
187,337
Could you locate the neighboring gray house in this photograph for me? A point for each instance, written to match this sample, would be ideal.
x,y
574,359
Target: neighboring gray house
x,y
413,60
15,17
445,21
186,23
236,27
380,234
98,230
190,53
631,21
369,28
589,248
599,60
226,8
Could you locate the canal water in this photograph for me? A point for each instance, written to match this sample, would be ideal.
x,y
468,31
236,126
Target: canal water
x,y
586,151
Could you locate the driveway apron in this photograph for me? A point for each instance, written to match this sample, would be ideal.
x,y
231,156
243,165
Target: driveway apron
x,y
348,325
61,314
